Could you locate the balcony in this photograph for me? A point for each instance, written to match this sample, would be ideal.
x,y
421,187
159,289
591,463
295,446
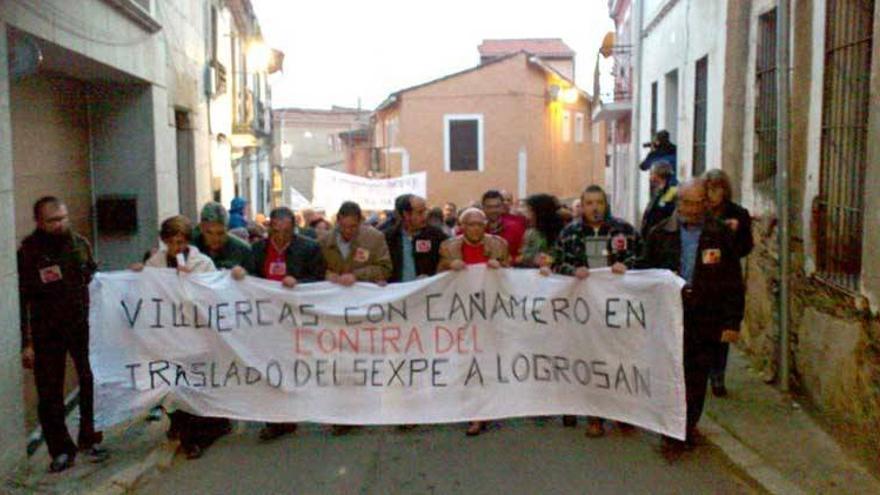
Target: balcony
x,y
613,82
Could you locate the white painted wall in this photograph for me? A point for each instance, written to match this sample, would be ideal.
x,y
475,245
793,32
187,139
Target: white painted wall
x,y
689,31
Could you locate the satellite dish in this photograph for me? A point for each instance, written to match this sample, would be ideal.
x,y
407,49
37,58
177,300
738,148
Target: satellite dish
x,y
25,56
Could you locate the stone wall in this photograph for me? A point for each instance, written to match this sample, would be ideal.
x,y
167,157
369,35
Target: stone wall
x,y
834,336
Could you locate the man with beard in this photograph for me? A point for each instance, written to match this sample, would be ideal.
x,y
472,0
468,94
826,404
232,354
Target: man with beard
x,y
595,240
55,266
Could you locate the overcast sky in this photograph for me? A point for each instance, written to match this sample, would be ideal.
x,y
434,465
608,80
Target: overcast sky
x,y
340,50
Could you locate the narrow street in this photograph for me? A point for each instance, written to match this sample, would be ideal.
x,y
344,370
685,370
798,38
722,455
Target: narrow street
x,y
514,456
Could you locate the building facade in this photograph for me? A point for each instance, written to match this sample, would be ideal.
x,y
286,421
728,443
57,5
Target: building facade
x,y
306,139
106,104
613,97
514,122
719,97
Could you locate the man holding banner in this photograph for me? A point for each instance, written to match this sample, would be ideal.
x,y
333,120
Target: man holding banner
x,y
354,251
413,244
700,249
595,240
289,258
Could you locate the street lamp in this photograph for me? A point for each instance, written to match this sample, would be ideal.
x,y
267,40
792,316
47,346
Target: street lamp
x,y
286,149
259,56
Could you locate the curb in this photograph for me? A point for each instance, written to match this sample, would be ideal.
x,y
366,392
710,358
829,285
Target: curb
x,y
747,460
126,480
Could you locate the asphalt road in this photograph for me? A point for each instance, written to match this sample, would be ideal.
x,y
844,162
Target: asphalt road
x,y
533,456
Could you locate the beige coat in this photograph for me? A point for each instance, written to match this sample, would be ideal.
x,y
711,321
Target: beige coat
x,y
495,248
196,262
368,260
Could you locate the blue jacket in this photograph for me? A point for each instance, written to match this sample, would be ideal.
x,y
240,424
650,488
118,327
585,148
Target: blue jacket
x,y
236,213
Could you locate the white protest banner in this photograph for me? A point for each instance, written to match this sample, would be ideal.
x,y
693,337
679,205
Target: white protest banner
x,y
297,200
332,188
478,344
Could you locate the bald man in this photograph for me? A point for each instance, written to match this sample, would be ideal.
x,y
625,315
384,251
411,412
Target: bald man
x,y
700,249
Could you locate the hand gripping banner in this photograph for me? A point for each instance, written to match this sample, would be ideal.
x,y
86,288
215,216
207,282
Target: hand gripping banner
x,y
478,344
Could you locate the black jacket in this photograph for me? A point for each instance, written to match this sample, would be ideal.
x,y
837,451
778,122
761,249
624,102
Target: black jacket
x,y
743,241
660,208
715,299
426,249
53,279
305,262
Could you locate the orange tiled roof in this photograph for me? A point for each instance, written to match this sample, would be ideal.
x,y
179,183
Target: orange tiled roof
x,y
542,47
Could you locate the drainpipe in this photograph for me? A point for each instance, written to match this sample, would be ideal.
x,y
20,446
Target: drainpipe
x,y
636,125
782,198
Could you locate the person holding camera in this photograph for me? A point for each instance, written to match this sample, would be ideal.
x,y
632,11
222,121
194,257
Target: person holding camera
x,y
662,150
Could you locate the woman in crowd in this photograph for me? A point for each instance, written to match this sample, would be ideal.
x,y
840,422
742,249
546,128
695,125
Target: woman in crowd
x,y
196,433
321,226
739,222
545,224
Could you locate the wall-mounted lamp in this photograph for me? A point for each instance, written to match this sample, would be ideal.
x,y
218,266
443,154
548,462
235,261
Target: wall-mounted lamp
x,y
259,55
556,93
570,95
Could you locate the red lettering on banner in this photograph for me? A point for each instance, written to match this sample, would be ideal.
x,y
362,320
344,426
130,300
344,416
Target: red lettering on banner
x,y
372,332
449,336
353,345
461,336
414,337
321,335
298,335
390,335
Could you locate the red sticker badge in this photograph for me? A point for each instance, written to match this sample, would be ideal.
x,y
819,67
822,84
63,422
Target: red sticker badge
x,y
50,274
361,255
711,256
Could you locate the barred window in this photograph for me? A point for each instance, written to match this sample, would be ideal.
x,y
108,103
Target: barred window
x,y
701,76
845,98
765,103
653,109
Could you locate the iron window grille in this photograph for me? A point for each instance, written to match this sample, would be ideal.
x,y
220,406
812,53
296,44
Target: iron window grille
x,y
701,75
845,100
765,103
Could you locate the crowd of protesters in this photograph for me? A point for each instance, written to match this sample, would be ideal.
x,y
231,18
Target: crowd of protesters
x,y
693,229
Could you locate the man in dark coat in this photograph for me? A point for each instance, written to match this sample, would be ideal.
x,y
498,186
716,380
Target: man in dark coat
x,y
291,259
701,250
663,194
55,267
414,245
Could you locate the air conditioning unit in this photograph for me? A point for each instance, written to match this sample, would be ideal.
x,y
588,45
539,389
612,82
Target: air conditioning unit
x,y
215,79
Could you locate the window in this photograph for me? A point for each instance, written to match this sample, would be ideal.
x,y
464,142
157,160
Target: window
x,y
845,100
701,74
579,127
653,109
671,110
765,103
331,142
391,128
463,143
214,33
566,126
